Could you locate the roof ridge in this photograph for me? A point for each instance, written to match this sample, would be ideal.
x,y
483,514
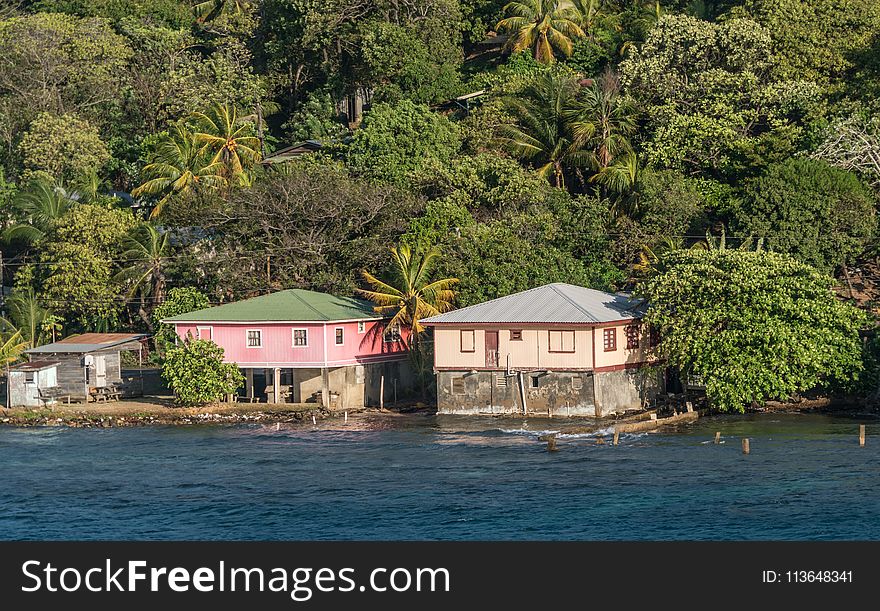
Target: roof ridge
x,y
572,301
482,303
296,294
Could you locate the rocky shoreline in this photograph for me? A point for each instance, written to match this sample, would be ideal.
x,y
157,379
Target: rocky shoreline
x,y
96,421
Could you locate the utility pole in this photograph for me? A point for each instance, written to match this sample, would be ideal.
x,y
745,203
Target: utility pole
x,y
2,288
260,134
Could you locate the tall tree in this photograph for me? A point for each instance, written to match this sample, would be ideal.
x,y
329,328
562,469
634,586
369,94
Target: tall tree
x,y
229,140
753,325
179,168
601,119
38,209
145,252
540,134
29,316
411,294
542,26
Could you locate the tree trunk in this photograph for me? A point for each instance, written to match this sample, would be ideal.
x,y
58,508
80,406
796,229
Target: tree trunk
x,y
849,285
416,359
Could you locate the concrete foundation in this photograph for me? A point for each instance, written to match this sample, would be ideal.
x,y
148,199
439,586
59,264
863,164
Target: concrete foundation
x,y
543,393
350,387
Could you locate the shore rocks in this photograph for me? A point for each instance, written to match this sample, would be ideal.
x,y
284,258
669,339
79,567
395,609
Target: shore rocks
x,y
85,420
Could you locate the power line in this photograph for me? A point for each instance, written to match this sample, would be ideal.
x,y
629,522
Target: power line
x,y
190,255
278,249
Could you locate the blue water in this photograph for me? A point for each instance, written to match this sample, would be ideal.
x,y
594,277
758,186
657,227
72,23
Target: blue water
x,y
428,477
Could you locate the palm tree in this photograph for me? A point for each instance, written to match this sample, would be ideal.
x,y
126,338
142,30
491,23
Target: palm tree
x,y
211,9
29,316
40,207
590,14
11,349
621,175
542,26
179,169
412,296
145,252
541,134
229,141
601,120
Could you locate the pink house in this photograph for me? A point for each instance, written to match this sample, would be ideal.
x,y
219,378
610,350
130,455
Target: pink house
x,y
302,346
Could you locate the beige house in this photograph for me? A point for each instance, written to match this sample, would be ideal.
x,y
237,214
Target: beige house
x,y
558,349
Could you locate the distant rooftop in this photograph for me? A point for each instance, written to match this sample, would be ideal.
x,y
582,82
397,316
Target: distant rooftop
x,y
88,342
291,305
292,151
551,303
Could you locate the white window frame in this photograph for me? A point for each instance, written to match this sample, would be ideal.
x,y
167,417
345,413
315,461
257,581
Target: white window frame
x,y
247,341
362,326
211,329
293,337
336,341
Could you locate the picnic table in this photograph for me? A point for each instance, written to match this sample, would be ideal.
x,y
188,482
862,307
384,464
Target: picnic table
x,y
105,393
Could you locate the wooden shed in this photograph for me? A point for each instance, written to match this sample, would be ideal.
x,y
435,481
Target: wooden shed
x,y
29,384
88,363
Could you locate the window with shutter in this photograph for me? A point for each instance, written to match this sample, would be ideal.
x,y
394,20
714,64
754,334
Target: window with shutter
x,y
561,341
468,343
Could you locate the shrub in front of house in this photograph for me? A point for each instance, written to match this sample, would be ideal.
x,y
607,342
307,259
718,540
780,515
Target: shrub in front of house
x,y
196,374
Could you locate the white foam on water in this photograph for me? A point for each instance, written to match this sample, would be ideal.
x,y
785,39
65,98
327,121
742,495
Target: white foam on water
x,y
528,432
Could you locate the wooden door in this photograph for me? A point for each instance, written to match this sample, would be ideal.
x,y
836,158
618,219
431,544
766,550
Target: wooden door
x,y
491,348
100,371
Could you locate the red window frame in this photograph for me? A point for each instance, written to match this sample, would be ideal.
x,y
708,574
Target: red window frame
x,y
609,339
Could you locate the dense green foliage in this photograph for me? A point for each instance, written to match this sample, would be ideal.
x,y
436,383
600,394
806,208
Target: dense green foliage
x,y
820,214
529,142
753,325
197,375
180,300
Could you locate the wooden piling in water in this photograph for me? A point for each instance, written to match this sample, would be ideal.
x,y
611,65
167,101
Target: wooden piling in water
x,y
381,392
717,436
600,441
551,443
616,436
746,448
861,435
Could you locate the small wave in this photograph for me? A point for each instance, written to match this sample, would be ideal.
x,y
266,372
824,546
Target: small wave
x,y
529,432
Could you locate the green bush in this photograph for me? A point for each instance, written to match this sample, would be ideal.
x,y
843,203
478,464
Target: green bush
x,y
180,300
197,375
754,325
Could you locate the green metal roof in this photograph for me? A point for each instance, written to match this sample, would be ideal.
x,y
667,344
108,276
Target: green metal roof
x,y
296,305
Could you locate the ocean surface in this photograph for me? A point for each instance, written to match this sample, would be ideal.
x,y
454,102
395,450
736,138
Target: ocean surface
x,y
432,477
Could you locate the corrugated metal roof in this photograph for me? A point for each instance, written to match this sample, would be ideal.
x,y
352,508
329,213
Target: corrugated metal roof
x,y
551,303
293,305
87,342
33,365
101,338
